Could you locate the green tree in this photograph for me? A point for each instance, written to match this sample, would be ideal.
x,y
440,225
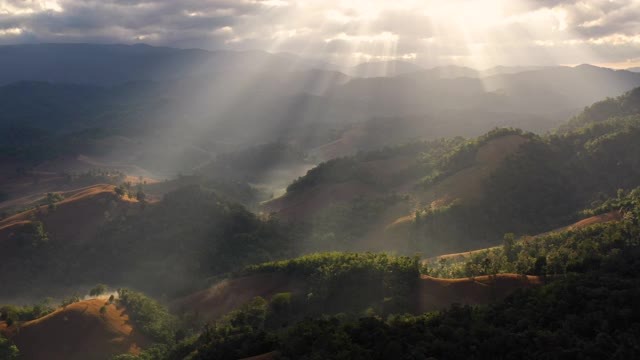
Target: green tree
x,y
141,196
540,266
508,245
52,199
8,351
98,290
120,191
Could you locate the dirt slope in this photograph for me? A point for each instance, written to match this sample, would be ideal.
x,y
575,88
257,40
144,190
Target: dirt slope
x,y
229,295
435,294
431,293
76,218
468,183
77,332
598,219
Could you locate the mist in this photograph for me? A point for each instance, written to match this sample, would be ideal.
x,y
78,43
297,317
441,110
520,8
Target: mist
x,y
319,179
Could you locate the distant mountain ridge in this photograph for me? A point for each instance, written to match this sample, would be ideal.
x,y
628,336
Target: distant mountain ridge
x,y
115,63
383,68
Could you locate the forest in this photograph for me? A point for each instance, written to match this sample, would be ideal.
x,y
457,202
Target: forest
x,y
177,203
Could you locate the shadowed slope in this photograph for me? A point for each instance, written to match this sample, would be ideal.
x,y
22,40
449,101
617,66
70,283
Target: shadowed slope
x,y
435,293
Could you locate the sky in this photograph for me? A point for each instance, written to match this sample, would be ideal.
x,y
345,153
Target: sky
x,y
473,33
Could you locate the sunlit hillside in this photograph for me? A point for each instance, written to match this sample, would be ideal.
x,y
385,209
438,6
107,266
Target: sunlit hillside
x,y
319,179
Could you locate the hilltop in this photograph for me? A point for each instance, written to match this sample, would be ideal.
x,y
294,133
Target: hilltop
x,y
79,331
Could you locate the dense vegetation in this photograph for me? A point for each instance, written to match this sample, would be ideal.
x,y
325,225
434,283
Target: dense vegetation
x,y
464,154
558,253
12,314
590,317
8,351
586,309
352,282
621,106
543,186
426,154
343,226
357,305
151,318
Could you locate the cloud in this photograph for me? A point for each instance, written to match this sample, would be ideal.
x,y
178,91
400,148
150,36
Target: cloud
x,y
480,33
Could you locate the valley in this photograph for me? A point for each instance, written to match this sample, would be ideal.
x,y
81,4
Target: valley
x,y
160,203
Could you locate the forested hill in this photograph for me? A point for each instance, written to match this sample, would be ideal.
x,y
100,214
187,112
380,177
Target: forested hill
x,y
460,195
624,105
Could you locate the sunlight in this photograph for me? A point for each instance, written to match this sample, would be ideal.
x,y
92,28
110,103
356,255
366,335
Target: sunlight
x,y
319,179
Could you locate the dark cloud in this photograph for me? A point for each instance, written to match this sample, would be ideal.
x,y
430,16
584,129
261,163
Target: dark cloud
x,y
435,31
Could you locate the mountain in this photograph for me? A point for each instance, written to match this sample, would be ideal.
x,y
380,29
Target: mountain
x,y
547,224
383,69
549,92
113,64
562,87
624,105
447,72
634,69
204,103
505,70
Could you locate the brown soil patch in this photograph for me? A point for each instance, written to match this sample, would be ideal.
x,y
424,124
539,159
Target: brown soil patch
x,y
400,222
77,332
468,183
76,218
598,219
497,150
435,294
384,170
461,255
344,146
267,356
229,295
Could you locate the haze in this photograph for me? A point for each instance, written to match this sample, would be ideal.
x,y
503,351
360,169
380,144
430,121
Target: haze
x,y
276,179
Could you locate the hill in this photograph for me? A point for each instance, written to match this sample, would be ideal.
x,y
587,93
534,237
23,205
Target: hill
x,y
592,220
546,92
89,208
113,64
80,331
120,117
486,183
578,271
627,104
440,293
228,295
326,283
557,87
423,175
191,233
383,68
